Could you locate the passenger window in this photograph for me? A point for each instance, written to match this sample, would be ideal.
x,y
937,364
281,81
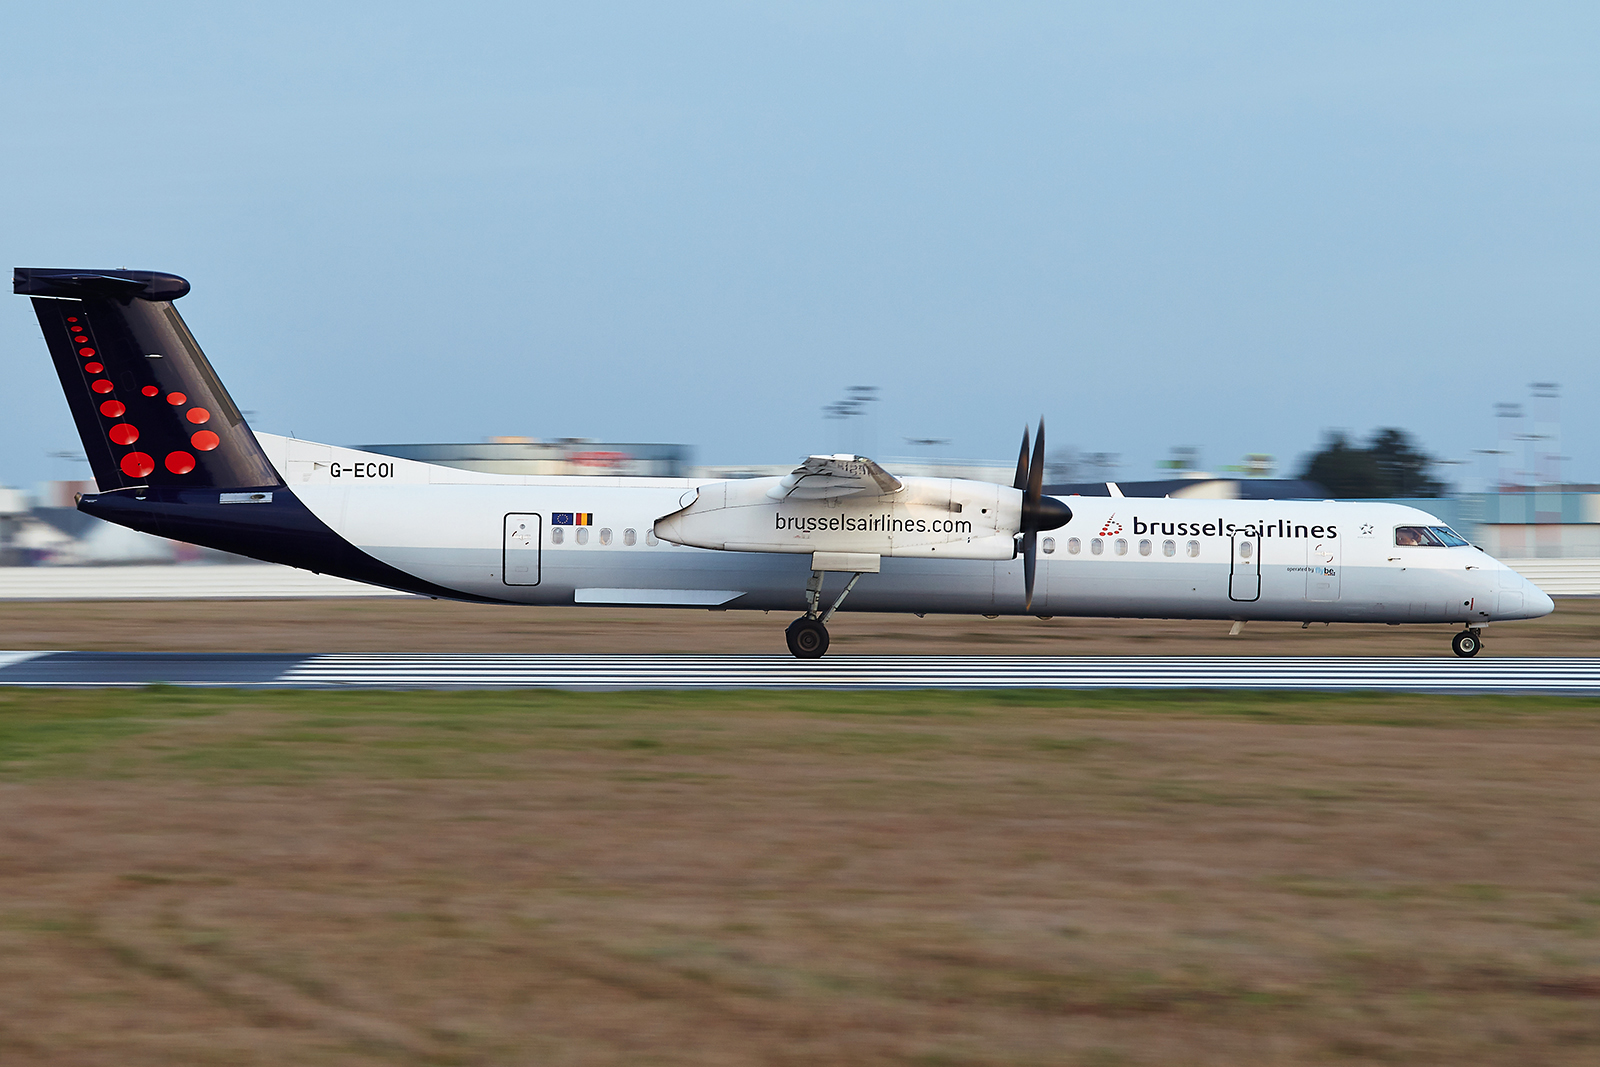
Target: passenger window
x,y
605,535
558,534
1097,546
1194,549
1049,545
1245,549
630,538
1448,536
1121,546
1416,537
651,539
583,535
1073,545
1144,547
1169,548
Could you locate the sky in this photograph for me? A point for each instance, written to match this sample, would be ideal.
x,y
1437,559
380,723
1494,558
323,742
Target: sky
x,y
1228,226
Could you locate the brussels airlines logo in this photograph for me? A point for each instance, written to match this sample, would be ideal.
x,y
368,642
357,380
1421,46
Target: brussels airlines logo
x,y
1111,527
1260,528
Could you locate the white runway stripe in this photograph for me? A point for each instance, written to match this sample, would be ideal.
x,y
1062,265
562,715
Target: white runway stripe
x,y
8,659
928,672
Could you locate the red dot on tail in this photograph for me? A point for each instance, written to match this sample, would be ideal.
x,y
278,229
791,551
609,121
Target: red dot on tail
x,y
85,352
137,464
180,462
101,386
123,434
93,368
72,318
198,416
112,409
205,440
149,390
176,398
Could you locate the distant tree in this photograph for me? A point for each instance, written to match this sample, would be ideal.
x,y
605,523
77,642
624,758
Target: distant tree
x,y
1404,467
1343,469
1390,465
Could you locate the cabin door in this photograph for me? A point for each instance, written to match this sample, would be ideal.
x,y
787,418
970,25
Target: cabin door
x,y
520,565
1244,575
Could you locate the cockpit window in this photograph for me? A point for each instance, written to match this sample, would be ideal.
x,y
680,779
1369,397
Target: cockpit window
x,y
1448,536
1412,536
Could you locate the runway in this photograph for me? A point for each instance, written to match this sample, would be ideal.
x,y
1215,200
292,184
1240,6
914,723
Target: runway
x,y
614,672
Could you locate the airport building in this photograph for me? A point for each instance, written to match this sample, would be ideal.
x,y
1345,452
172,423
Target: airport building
x,y
564,456
1536,522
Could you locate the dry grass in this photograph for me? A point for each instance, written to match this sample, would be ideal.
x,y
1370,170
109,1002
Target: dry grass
x,y
921,879
441,626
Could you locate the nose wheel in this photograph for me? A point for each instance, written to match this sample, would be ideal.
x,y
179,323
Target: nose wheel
x,y
1467,643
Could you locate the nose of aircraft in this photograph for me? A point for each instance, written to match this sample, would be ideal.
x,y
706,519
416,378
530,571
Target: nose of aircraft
x,y
1513,596
1535,601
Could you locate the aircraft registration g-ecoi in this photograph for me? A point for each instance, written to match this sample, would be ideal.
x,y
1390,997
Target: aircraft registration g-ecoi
x,y
173,456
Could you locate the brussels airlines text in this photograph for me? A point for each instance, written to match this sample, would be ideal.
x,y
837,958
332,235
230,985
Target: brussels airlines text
x,y
1277,528
871,524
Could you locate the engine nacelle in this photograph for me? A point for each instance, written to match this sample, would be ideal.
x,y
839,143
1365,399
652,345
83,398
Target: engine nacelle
x,y
948,518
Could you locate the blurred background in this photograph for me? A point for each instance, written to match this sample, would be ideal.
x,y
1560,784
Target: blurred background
x,y
1269,252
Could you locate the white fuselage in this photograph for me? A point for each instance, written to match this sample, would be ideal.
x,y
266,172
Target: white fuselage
x,y
489,535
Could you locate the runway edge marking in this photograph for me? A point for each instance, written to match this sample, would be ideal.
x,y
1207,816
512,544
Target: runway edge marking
x,y
1569,676
11,659
589,671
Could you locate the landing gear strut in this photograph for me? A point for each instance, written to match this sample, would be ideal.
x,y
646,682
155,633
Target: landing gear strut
x,y
808,635
1467,643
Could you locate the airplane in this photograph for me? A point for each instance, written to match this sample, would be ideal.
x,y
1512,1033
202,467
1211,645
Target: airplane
x,y
172,455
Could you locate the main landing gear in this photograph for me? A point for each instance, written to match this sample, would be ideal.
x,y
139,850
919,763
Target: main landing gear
x,y
808,635
1467,643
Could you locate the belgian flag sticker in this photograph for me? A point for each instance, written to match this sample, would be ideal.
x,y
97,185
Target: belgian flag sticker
x,y
572,518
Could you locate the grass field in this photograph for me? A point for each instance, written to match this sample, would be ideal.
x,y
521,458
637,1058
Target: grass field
x,y
812,878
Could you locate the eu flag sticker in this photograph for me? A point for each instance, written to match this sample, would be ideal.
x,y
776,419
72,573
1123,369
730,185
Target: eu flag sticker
x,y
561,518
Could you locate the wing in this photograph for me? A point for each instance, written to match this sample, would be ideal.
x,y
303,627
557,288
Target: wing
x,y
821,477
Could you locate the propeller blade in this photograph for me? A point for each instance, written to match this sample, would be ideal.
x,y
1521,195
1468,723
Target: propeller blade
x,y
1021,481
1038,513
1030,562
1036,472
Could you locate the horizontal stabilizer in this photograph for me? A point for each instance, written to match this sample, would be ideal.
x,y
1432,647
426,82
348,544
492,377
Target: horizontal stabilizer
x,y
123,285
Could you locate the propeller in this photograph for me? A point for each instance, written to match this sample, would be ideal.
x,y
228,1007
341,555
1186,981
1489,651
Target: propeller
x,y
1039,512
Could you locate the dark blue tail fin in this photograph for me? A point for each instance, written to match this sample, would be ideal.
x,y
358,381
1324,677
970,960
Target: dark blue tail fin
x,y
149,408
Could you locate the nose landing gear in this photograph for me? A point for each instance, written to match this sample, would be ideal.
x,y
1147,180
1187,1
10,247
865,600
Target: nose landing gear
x,y
1467,643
